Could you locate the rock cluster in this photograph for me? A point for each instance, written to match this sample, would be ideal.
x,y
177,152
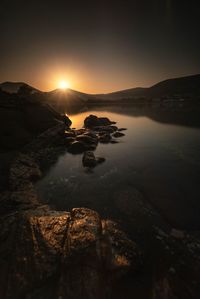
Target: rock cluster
x,y
96,130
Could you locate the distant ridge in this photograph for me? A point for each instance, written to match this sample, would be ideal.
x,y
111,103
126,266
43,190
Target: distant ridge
x,y
13,87
188,85
182,85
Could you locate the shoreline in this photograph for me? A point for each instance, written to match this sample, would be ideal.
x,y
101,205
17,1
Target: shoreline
x,y
21,210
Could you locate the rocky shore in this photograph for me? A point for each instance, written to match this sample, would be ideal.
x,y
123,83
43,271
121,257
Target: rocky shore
x,y
45,253
54,254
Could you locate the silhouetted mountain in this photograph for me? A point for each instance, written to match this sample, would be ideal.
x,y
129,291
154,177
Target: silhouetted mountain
x,y
14,87
66,100
184,86
70,99
127,93
179,86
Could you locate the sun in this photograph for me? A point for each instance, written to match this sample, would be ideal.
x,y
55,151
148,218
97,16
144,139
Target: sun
x,y
63,84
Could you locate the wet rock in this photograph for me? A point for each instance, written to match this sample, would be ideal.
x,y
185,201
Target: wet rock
x,y
79,131
67,121
117,238
91,121
118,134
90,133
79,252
114,128
122,129
77,147
94,121
69,140
104,121
69,134
89,159
86,138
105,138
104,129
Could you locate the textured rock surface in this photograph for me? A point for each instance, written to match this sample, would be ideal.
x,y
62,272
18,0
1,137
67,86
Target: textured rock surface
x,y
89,159
48,254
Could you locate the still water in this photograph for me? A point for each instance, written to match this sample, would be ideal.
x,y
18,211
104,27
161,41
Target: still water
x,y
157,162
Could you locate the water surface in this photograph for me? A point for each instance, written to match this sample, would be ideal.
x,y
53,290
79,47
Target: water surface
x,y
157,162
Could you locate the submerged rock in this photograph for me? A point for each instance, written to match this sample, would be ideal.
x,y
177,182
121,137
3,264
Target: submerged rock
x,y
89,159
118,134
122,129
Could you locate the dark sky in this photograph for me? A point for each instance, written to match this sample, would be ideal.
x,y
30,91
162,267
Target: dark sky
x,y
98,46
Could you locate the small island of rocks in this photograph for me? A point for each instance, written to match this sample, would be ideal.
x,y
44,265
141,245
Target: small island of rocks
x,y
85,140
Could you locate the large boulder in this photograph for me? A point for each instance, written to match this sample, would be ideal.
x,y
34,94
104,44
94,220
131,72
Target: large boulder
x,y
52,254
77,147
89,159
93,121
67,121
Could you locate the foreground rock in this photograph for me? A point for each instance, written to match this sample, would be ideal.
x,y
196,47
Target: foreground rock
x,y
89,159
50,254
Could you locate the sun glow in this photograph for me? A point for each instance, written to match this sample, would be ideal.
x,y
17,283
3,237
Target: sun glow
x,y
63,84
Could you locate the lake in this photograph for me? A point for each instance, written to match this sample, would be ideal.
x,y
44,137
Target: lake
x,y
156,165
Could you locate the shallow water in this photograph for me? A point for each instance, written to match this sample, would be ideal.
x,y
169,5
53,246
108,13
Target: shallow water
x,y
157,162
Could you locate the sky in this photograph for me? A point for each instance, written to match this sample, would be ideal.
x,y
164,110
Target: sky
x,y
98,46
